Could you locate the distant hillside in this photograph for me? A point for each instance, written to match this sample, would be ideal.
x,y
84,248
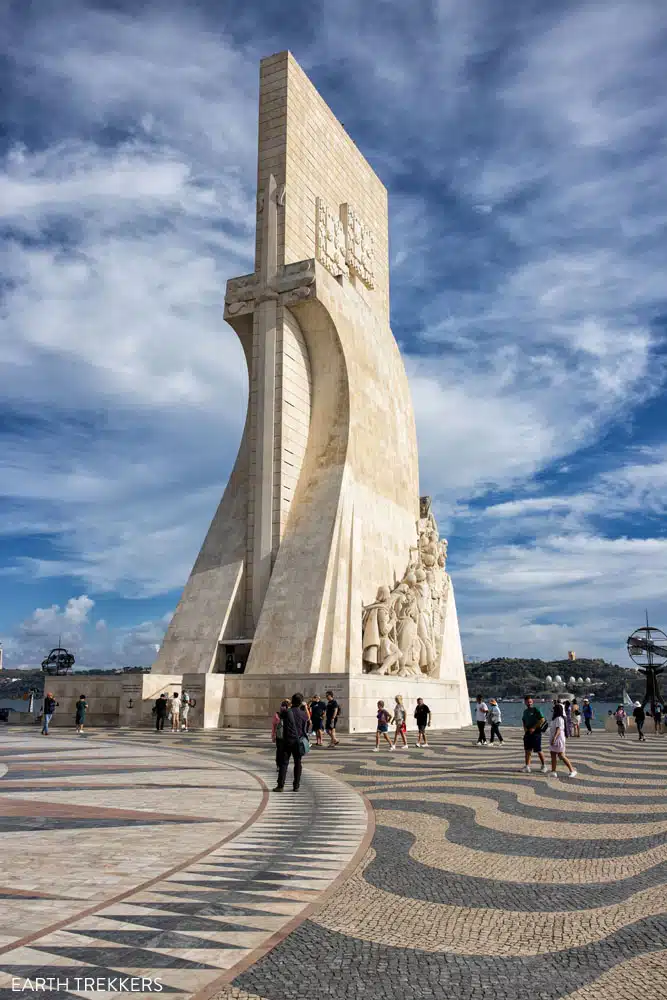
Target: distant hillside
x,y
16,683
510,678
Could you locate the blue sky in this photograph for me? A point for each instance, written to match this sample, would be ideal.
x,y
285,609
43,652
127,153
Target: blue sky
x,y
524,149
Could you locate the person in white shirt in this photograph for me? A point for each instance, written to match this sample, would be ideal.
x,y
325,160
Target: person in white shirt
x,y
175,713
480,718
495,718
185,710
557,742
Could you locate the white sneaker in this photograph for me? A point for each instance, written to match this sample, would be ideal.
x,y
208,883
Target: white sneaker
x,y
552,774
420,746
376,749
526,769
405,746
392,747
544,769
572,774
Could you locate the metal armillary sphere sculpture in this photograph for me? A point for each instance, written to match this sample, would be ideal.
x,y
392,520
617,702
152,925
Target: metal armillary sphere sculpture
x,y
59,661
647,647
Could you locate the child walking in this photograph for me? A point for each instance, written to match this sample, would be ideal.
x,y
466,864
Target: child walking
x,y
384,718
557,742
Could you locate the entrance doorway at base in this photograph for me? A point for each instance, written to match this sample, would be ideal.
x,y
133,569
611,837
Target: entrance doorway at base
x,y
233,655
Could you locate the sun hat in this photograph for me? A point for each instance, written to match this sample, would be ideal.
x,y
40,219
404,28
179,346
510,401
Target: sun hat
x,y
638,704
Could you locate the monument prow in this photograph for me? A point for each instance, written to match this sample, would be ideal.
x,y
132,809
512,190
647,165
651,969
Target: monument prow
x,y
322,507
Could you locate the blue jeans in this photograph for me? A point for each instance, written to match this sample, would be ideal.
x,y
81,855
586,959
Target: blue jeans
x,y
45,727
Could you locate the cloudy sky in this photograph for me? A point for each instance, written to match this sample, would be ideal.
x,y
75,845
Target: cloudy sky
x,y
523,145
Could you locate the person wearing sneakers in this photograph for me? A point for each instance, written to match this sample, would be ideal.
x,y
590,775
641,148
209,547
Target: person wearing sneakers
x,y
423,719
557,741
587,712
495,719
481,711
640,718
533,721
399,722
383,720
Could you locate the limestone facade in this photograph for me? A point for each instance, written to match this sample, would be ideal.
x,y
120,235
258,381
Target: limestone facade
x,y
323,503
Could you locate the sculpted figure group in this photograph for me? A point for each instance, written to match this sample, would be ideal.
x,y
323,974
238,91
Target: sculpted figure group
x,y
403,628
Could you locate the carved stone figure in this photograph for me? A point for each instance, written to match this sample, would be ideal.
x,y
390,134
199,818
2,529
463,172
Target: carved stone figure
x,y
330,240
381,654
412,616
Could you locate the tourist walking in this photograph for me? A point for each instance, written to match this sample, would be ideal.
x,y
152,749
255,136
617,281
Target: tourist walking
x,y
533,724
657,718
331,718
576,718
295,741
621,720
423,720
399,722
80,716
175,713
587,712
318,710
50,705
480,718
557,742
277,732
640,718
382,729
568,719
160,709
495,718
186,705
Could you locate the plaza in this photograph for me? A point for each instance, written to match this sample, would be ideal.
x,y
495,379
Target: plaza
x,y
428,873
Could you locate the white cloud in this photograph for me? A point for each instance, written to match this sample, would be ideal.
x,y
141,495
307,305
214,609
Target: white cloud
x,y
93,643
528,262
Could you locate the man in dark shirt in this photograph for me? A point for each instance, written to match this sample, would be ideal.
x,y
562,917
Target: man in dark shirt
x,y
640,719
50,705
333,711
295,724
533,720
160,712
317,711
423,719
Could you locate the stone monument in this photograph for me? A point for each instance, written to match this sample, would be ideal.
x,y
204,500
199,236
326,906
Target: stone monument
x,y
322,567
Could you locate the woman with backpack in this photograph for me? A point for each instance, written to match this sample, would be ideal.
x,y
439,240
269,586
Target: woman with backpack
x,y
557,742
383,720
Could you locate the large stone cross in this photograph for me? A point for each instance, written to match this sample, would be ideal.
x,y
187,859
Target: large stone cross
x,y
260,294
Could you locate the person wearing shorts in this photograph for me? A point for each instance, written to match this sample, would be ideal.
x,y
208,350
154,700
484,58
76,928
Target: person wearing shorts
x,y
533,720
399,722
657,718
332,713
317,712
423,719
383,718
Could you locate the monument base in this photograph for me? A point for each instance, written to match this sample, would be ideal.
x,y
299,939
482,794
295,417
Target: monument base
x,y
250,700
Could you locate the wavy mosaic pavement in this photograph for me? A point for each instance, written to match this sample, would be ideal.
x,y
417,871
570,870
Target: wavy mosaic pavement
x,y
484,881
480,881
